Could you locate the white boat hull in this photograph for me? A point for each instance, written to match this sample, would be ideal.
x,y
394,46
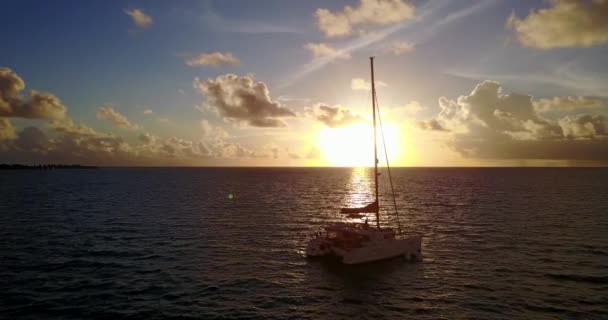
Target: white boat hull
x,y
410,248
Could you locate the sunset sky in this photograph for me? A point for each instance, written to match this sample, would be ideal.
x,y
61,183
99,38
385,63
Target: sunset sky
x,y
286,83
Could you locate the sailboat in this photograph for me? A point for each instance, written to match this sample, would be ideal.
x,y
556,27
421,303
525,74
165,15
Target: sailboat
x,y
354,242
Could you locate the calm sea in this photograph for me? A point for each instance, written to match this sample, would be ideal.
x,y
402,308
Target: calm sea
x,y
229,243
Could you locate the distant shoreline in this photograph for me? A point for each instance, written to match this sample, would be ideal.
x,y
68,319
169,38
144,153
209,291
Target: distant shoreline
x,y
4,166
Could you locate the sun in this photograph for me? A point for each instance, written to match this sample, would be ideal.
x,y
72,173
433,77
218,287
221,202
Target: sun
x,y
353,146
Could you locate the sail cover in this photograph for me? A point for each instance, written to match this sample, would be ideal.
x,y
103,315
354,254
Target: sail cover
x,y
370,208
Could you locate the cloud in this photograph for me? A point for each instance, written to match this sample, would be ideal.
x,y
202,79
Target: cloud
x,y
243,99
70,143
368,12
64,141
361,84
68,127
214,59
313,153
7,131
401,47
119,120
216,138
333,116
359,43
413,107
214,134
431,124
571,104
584,126
566,23
235,150
489,124
148,112
322,50
240,25
140,19
41,105
293,156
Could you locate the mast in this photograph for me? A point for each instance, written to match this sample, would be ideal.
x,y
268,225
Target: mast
x,y
371,61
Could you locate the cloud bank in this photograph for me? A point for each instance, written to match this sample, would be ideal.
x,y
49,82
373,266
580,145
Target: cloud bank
x,y
492,125
566,23
61,140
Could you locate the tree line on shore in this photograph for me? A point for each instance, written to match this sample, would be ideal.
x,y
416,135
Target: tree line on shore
x,y
5,166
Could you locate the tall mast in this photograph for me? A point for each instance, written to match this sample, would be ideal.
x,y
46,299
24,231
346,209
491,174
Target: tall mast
x,y
371,60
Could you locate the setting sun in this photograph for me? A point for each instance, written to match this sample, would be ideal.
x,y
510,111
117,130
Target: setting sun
x,y
352,146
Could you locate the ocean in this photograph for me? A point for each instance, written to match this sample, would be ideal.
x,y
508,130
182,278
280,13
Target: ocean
x,y
228,243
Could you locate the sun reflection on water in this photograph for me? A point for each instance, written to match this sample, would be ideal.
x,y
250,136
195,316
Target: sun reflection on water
x,y
360,189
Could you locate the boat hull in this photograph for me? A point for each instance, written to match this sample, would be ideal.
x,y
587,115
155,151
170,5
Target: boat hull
x,y
318,247
409,247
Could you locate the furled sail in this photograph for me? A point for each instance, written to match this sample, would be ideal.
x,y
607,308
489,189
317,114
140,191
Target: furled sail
x,y
370,208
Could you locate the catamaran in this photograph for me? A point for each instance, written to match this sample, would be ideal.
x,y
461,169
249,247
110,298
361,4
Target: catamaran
x,y
356,242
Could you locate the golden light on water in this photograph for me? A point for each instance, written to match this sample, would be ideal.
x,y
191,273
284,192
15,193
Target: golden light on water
x,y
352,146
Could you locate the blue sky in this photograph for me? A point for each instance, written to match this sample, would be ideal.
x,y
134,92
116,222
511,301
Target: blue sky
x,y
92,54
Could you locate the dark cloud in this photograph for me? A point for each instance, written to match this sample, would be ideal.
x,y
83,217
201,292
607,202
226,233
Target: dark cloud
x,y
431,124
243,100
489,124
333,116
40,105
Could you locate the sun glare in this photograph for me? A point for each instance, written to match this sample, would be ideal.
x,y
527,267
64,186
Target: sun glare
x,y
352,146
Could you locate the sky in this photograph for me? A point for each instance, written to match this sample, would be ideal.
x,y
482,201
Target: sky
x,y
287,83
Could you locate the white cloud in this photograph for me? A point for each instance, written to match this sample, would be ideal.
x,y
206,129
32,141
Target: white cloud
x,y
148,111
368,12
214,59
140,19
322,50
361,84
401,47
566,23
360,43
119,120
413,107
